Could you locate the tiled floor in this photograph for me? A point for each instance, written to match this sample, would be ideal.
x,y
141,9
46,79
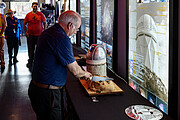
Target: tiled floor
x,y
14,81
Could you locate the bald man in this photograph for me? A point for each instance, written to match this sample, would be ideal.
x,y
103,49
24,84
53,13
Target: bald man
x,y
53,57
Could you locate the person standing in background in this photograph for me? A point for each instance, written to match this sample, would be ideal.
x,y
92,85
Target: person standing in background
x,y
2,29
12,35
34,19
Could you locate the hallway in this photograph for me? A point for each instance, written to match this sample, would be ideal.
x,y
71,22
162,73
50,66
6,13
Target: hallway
x,y
14,81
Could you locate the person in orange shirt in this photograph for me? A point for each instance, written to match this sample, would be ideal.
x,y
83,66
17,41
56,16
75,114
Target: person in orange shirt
x,y
34,19
2,29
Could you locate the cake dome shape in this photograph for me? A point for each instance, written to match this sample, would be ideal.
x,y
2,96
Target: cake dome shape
x,y
96,60
96,54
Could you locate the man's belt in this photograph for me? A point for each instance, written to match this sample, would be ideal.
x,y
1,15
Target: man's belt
x,y
41,85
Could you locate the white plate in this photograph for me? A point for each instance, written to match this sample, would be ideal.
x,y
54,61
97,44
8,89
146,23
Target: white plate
x,y
142,112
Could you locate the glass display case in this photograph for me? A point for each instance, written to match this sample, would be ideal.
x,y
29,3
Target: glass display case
x,y
149,50
73,7
85,23
104,23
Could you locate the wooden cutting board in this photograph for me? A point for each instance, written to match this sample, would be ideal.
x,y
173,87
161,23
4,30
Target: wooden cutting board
x,y
117,89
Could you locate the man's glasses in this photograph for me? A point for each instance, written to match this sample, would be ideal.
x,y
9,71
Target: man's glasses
x,y
77,29
10,13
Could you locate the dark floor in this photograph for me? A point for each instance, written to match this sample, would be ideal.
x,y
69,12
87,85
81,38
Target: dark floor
x,y
14,81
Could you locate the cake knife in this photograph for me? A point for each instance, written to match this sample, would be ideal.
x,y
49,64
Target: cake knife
x,y
97,78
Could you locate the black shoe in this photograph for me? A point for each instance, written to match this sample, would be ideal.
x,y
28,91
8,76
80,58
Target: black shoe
x,y
28,65
2,68
10,62
15,61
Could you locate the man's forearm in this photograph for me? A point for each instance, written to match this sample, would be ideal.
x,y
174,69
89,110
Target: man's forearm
x,y
3,29
24,27
45,25
4,24
76,70
81,74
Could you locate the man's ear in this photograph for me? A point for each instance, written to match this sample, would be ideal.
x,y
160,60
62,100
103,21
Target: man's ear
x,y
69,25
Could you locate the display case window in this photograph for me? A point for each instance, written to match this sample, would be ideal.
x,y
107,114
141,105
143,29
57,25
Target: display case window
x,y
104,23
66,5
48,1
149,50
85,23
73,7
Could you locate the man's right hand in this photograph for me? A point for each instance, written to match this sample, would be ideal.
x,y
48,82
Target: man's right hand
x,y
27,34
77,70
87,75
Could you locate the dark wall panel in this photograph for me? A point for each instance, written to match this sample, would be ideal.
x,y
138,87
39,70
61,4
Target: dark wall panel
x,y
93,22
78,40
173,60
121,39
179,64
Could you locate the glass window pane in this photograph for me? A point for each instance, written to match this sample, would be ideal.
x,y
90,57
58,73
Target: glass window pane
x,y
105,18
73,7
149,50
85,21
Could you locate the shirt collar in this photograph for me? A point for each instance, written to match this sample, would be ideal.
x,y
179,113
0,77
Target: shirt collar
x,y
59,28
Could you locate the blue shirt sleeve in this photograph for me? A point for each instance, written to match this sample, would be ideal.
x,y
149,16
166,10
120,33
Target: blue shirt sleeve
x,y
65,52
